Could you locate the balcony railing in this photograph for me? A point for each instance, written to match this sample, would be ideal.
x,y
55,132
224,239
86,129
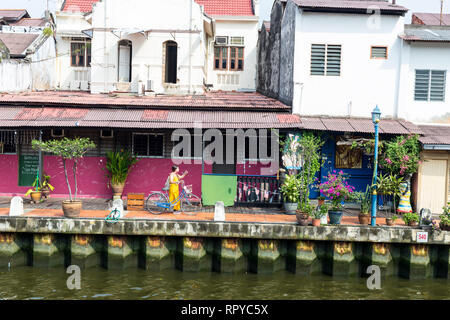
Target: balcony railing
x,y
258,190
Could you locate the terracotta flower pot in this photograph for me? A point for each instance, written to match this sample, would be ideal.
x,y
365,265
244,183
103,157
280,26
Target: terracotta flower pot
x,y
321,202
302,218
364,218
413,223
36,196
71,209
316,222
118,189
389,221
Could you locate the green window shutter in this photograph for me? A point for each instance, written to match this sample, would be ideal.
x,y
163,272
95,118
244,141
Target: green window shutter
x,y
437,85
379,52
333,60
318,59
422,85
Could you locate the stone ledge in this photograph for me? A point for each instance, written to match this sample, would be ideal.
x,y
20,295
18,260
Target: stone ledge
x,y
287,231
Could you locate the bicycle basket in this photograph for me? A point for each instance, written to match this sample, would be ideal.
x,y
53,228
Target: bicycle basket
x,y
188,188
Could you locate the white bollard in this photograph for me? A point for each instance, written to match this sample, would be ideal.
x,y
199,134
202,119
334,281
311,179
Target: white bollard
x,y
219,211
16,207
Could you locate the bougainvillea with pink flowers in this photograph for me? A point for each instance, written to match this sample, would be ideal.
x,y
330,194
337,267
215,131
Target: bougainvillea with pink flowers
x,y
336,188
401,155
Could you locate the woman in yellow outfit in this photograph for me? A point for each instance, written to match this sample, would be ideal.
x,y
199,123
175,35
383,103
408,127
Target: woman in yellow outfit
x,y
174,180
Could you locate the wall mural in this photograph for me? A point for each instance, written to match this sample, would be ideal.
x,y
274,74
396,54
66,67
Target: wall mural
x,y
348,158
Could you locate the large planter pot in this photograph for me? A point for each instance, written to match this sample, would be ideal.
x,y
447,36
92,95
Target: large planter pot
x,y
444,227
290,207
71,209
335,216
118,189
364,218
36,196
302,218
389,221
316,222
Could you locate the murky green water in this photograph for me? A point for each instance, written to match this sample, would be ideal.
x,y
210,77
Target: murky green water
x,y
98,283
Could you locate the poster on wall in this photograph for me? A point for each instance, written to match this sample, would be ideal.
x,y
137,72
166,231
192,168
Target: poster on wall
x,y
28,167
291,154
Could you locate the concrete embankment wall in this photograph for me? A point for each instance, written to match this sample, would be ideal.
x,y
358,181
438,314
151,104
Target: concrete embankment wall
x,y
222,247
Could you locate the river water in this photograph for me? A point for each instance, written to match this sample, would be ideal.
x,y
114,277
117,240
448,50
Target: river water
x,y
99,283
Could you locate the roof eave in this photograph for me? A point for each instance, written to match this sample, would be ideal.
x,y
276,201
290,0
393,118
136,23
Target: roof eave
x,y
400,12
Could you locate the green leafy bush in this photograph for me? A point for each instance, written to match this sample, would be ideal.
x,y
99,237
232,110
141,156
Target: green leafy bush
x,y
118,165
410,216
290,189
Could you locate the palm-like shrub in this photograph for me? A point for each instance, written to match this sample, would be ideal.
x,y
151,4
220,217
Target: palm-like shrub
x,y
118,165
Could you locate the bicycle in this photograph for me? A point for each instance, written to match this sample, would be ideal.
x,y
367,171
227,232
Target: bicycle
x,y
158,202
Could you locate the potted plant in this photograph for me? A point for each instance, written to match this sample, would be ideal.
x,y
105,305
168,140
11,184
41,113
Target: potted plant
x,y
445,218
46,187
290,192
391,221
118,165
68,149
363,198
318,214
337,189
35,191
411,219
303,213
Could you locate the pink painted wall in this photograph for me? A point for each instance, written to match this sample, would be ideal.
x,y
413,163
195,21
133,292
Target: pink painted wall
x,y
149,174
9,176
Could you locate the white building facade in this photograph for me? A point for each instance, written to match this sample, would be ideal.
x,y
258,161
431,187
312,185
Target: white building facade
x,y
336,61
110,45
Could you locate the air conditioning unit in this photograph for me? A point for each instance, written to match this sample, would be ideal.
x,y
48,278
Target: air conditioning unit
x,y
221,41
57,133
106,134
149,86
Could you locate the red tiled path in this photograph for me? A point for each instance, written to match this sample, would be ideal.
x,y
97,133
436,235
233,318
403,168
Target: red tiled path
x,y
200,216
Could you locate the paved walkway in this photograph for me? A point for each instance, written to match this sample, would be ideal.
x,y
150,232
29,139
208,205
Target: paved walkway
x,y
97,208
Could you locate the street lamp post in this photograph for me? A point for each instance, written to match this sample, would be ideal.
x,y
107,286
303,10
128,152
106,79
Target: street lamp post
x,y
376,115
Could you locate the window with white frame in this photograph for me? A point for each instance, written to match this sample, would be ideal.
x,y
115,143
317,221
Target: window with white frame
x,y
148,144
430,85
325,60
229,56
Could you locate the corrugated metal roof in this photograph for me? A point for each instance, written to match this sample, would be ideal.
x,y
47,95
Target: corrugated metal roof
x,y
29,22
426,33
17,43
435,134
212,100
431,19
360,5
13,14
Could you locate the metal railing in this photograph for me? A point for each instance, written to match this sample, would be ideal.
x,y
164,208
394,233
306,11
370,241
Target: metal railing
x,y
258,190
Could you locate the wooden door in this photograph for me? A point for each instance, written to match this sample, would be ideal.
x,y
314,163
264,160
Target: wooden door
x,y
433,193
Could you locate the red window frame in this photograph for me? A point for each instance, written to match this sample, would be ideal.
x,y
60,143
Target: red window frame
x,y
220,59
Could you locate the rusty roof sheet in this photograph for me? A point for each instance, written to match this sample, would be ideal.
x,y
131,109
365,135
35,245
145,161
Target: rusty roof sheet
x,y
435,134
211,100
139,118
432,19
13,14
416,32
29,22
17,43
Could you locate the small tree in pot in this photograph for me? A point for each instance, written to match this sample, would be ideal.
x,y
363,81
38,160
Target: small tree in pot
x,y
68,149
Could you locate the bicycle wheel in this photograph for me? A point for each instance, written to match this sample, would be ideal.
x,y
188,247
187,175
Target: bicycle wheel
x,y
156,203
191,204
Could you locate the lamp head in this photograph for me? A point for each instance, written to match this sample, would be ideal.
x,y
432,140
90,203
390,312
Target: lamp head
x,y
376,115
